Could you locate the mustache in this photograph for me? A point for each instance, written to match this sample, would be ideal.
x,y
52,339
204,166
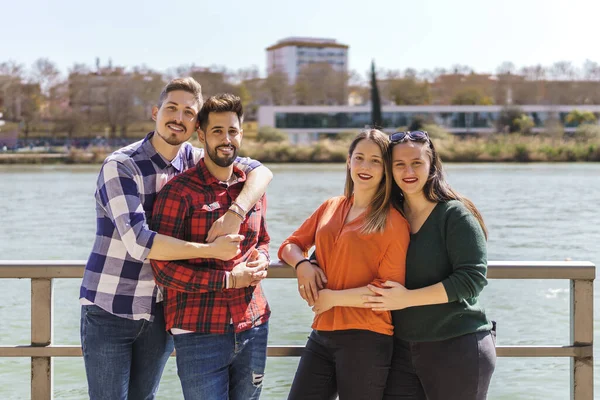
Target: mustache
x,y
176,124
226,145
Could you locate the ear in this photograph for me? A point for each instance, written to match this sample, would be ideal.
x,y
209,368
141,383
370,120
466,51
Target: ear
x,y
154,113
201,136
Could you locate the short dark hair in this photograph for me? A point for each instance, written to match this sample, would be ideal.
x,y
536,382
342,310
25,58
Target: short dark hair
x,y
188,84
224,102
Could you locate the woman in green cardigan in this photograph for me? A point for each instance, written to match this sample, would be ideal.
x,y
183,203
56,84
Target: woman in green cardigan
x,y
444,345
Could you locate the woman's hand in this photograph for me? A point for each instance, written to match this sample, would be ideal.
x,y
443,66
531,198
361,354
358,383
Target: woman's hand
x,y
324,302
311,279
393,297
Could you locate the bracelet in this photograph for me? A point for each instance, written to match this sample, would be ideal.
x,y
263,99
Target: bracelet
x,y
240,216
231,281
300,262
235,203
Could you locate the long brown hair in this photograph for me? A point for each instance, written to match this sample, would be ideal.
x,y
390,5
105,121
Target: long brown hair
x,y
380,204
436,188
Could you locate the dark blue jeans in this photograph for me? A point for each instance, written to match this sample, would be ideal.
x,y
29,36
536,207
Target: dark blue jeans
x,y
124,359
459,368
352,363
222,366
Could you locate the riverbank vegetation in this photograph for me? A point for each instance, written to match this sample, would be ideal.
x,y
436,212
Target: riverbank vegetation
x,y
582,146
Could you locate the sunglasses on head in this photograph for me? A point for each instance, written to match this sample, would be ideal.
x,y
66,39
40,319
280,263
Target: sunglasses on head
x,y
416,136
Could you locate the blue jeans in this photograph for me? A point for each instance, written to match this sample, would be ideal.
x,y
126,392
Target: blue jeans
x,y
124,359
222,366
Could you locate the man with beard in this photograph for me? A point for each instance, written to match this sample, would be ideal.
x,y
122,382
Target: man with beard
x,y
215,309
125,344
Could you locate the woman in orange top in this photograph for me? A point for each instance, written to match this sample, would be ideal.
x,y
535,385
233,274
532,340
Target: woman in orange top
x,y
360,239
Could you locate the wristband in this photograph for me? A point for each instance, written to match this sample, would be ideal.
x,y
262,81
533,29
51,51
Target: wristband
x,y
300,262
235,203
240,216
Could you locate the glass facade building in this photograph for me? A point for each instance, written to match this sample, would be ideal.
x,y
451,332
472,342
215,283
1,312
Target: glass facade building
x,y
456,121
347,120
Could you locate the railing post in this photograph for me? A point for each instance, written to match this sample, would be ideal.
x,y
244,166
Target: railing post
x,y
41,335
582,333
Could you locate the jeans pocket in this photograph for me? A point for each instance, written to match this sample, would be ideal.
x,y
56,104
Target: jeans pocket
x,y
92,309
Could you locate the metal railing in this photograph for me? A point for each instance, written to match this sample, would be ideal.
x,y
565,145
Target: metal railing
x,y
579,350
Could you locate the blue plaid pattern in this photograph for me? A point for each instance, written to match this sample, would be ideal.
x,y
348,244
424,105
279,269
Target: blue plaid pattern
x,y
118,277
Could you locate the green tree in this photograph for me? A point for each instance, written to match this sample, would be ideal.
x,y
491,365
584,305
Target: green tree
x,y
577,117
269,134
376,116
471,96
409,91
506,122
524,123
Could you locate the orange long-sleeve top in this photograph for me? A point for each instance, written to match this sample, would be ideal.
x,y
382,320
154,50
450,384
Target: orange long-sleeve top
x,y
351,259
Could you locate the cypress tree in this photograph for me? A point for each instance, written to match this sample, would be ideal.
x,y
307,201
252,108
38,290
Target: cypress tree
x,y
376,118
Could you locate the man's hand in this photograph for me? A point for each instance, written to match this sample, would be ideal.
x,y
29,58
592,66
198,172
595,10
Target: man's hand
x,y
226,247
244,275
228,224
258,259
311,279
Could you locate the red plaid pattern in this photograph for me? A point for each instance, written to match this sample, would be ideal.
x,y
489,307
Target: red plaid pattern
x,y
194,290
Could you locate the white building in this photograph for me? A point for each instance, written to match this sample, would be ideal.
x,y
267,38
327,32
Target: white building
x,y
305,124
291,54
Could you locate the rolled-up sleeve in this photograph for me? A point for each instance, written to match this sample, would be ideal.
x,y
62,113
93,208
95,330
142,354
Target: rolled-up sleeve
x,y
170,217
246,164
119,196
264,239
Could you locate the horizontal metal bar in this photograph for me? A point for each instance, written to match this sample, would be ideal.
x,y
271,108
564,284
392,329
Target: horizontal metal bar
x,y
496,269
41,269
75,351
544,351
541,270
296,351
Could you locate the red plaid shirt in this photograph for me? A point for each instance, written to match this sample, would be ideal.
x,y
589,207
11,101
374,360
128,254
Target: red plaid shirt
x,y
194,290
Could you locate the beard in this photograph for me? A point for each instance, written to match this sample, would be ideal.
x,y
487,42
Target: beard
x,y
173,139
224,161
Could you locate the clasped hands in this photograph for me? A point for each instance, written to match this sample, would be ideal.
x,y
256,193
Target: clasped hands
x,y
225,241
311,286
249,273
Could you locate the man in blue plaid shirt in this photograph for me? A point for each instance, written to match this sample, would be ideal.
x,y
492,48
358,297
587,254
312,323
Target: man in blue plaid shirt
x,y
125,345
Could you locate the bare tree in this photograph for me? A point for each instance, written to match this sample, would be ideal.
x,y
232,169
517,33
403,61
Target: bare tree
x,y
319,83
46,74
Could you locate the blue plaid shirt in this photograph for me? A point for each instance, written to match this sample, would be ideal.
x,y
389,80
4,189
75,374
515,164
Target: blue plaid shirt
x,y
118,277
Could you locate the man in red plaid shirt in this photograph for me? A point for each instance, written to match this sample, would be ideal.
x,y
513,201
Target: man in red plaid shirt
x,y
216,310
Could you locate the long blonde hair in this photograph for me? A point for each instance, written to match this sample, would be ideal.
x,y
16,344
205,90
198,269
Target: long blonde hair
x,y
380,204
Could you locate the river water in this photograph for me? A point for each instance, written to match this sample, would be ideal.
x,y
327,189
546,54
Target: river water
x,y
545,212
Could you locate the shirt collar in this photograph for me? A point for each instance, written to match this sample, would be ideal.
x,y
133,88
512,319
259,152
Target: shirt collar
x,y
158,159
208,179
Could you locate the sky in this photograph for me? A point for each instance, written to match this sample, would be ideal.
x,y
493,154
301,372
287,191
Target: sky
x,y
397,34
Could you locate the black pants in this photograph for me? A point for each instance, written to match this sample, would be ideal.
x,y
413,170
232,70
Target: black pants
x,y
351,363
454,369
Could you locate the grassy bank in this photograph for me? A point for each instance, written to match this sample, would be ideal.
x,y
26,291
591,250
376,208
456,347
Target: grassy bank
x,y
497,148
